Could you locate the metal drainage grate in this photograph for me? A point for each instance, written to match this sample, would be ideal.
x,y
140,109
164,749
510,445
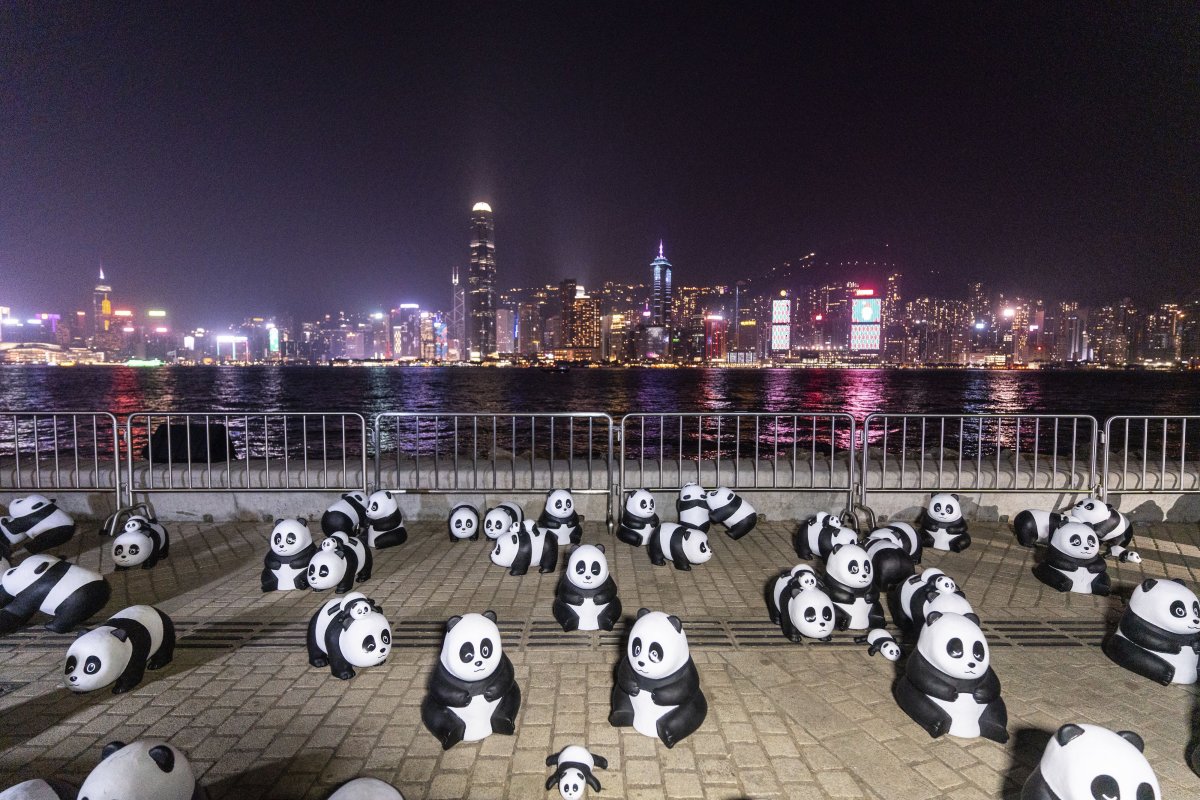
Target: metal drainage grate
x,y
8,687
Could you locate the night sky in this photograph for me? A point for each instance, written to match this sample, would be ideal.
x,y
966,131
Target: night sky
x,y
226,159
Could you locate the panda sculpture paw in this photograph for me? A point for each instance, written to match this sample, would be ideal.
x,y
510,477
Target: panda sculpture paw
x,y
344,675
961,543
319,663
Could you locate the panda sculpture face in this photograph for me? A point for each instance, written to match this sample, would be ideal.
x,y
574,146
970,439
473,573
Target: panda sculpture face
x,y
507,546
944,508
134,545
696,546
497,521
1076,540
812,613
691,492
640,504
805,576
381,504
719,497
1167,605
1087,762
464,522
943,583
849,565
471,650
368,639
96,659
290,536
588,567
572,784
145,769
1090,510
559,503
328,566
955,645
657,645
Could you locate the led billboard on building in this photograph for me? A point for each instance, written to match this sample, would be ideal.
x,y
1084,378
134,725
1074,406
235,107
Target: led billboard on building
x,y
781,312
866,311
865,337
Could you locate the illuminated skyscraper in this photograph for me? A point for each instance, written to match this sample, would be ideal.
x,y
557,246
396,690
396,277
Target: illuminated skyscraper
x,y
481,285
101,306
660,308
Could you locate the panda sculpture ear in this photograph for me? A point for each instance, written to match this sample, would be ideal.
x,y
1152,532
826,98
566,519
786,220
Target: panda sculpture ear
x,y
836,547
1133,739
973,617
1148,584
450,623
163,756
490,615
933,617
1179,581
120,634
642,612
675,623
111,748
388,495
278,521
954,496
1067,732
687,534
600,547
303,521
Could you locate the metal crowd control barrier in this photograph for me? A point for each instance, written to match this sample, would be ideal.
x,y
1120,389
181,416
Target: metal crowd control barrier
x,y
748,452
62,451
230,452
434,453
1164,451
988,453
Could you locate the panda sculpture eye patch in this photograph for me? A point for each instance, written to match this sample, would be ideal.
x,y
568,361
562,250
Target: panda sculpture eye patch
x,y
467,653
595,567
977,651
71,662
485,648
810,614
637,647
656,652
1178,609
368,644
955,647
92,665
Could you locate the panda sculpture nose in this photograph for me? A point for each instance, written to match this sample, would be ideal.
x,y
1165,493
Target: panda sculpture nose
x,y
479,663
971,665
641,663
74,679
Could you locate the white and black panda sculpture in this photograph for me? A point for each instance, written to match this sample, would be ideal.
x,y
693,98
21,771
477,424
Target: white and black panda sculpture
x,y
923,594
142,541
692,506
348,514
463,523
121,650
1158,636
574,771
1087,762
366,789
145,770
1073,562
942,524
1114,528
685,546
558,518
801,576
385,522
500,519
819,534
878,640
348,632
807,613
1033,526
285,566
40,790
339,562
473,691
37,522
949,685
891,563
586,598
657,688
850,585
639,520
525,545
67,593
732,511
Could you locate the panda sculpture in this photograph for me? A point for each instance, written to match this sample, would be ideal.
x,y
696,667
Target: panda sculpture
x,y
1114,528
942,524
463,523
890,561
1073,562
285,566
801,576
348,515
121,650
348,632
878,640
685,546
1158,636
692,507
574,768
1034,526
732,511
67,593
339,561
385,522
1087,762
143,541
819,534
586,598
849,584
37,522
923,594
807,613
639,522
949,685
558,518
499,519
40,790
657,688
366,789
526,545
145,770
473,691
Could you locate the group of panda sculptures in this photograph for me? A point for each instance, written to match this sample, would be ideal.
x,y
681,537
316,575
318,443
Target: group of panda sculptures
x,y
684,543
1073,561
517,543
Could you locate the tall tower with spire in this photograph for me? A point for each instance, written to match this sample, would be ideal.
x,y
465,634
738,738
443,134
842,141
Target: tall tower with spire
x,y
101,306
660,308
458,316
481,285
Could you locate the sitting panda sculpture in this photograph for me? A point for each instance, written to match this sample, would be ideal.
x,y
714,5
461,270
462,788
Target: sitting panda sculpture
x,y
37,522
143,541
473,691
942,524
146,770
574,768
285,566
639,521
121,650
558,518
692,507
385,522
67,593
1158,636
501,518
586,598
732,511
366,789
40,790
685,546
463,523
921,595
1073,562
657,688
348,514
1114,528
801,576
949,685
849,584
523,546
348,632
339,561
1086,762
819,534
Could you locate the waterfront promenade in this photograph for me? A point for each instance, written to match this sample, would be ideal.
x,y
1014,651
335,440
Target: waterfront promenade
x,y
786,721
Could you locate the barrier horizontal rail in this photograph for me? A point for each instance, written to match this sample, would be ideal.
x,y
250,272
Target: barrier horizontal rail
x,y
60,451
1165,451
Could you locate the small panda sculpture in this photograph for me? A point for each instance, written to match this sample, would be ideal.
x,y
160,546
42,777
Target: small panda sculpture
x,y
366,789
143,541
880,641
348,515
285,566
686,546
849,584
657,688
385,523
499,519
67,593
692,507
40,790
463,523
890,560
525,545
732,511
923,594
574,771
1073,562
348,632
1034,526
639,522
473,691
819,534
36,521
586,599
1086,762
146,770
558,517
801,576
942,524
807,613
340,561
121,650
949,685
1158,636
1114,528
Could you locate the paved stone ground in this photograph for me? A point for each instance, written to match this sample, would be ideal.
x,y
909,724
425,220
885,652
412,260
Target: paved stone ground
x,y
785,721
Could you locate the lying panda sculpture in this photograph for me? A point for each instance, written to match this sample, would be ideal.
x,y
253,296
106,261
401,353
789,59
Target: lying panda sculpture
x,y
37,522
692,507
67,593
732,511
1114,528
121,650
574,769
348,514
